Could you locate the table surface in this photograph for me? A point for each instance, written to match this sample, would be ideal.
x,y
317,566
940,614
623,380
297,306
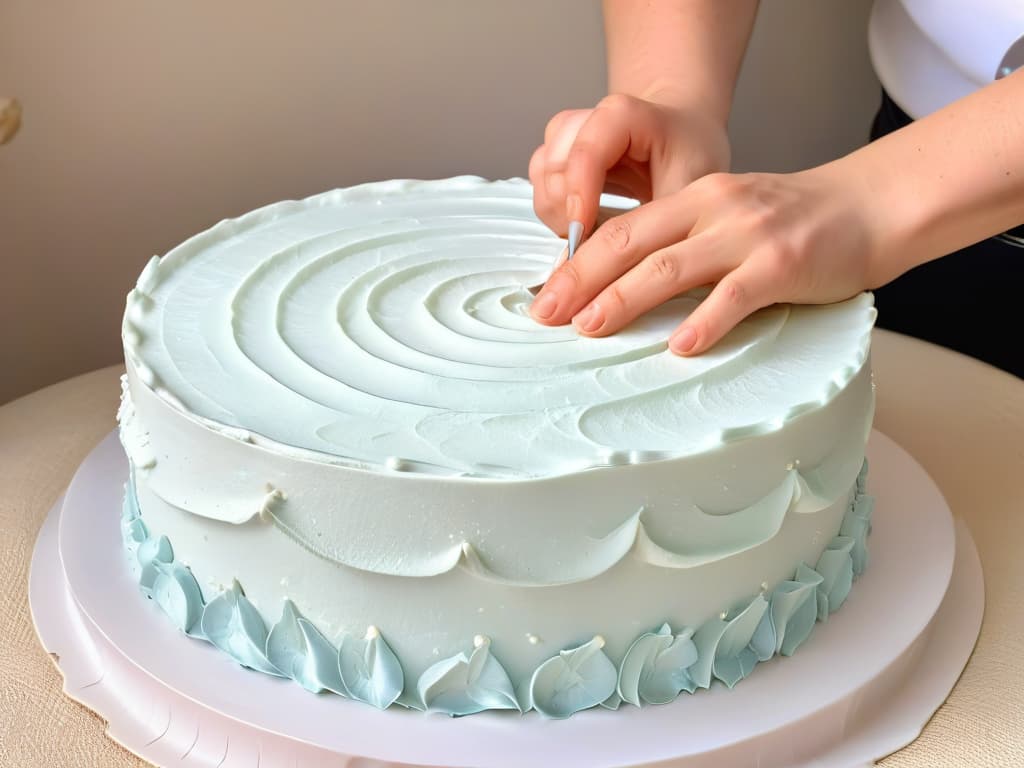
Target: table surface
x,y
961,419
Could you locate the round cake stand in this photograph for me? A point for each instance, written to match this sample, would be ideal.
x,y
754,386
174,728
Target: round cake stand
x,y
862,686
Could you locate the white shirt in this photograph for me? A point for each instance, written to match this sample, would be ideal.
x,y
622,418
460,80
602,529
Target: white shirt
x,y
928,53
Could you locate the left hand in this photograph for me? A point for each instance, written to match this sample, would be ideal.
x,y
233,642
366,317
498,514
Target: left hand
x,y
804,237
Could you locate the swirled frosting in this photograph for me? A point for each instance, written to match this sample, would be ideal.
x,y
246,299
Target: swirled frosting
x,y
392,318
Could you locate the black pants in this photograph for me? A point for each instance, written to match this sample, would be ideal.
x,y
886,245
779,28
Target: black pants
x,y
971,300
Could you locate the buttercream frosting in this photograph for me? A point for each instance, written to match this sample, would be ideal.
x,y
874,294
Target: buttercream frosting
x,y
392,316
657,666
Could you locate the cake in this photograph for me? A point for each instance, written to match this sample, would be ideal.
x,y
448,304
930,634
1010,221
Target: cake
x,y
356,462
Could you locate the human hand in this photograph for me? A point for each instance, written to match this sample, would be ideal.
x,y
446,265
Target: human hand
x,y
639,148
808,237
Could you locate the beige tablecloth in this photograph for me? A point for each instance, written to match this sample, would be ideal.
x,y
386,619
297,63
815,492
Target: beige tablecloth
x,y
962,420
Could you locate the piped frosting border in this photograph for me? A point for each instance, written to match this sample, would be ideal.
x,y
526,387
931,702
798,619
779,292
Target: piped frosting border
x,y
657,667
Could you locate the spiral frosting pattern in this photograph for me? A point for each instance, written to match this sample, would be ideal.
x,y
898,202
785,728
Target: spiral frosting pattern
x,y
385,326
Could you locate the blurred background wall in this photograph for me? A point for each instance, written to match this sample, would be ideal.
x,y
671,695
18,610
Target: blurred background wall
x,y
147,121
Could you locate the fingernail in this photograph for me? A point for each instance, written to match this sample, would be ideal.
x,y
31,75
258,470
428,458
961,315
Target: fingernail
x,y
683,341
573,207
544,305
575,235
590,319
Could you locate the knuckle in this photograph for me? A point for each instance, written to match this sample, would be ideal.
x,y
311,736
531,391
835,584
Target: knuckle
x,y
616,102
613,300
615,234
556,123
580,152
781,255
664,267
734,292
536,166
571,272
717,184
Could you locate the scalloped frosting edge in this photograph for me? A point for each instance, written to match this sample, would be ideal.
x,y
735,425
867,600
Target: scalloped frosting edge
x,y
657,667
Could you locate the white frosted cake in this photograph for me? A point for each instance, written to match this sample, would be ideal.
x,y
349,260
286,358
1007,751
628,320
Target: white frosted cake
x,y
358,463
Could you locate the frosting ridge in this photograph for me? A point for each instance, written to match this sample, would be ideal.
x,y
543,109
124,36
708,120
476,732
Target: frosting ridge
x,y
385,317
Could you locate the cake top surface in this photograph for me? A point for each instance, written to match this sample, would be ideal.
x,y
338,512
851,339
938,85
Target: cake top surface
x,y
385,326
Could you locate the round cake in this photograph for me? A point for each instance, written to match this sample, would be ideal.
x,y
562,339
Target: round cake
x,y
357,462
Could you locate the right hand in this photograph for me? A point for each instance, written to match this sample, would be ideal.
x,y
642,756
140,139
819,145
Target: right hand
x,y
625,145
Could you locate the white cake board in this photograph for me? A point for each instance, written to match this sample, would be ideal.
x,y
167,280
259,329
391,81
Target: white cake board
x,y
862,687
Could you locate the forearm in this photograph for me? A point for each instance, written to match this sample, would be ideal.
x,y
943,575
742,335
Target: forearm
x,y
948,180
679,52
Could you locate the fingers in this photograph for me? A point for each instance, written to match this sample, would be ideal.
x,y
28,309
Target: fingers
x,y
741,292
549,210
656,279
620,128
547,168
616,247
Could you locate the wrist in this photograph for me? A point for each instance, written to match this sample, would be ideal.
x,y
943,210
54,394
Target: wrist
x,y
892,220
680,97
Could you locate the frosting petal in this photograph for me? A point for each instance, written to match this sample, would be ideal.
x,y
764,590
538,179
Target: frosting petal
x,y
862,478
299,650
177,593
654,669
575,679
856,525
153,554
370,670
134,532
836,568
463,685
790,617
723,645
234,625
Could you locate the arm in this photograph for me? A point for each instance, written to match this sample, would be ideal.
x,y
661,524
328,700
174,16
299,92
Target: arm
x,y
685,53
815,236
672,67
960,179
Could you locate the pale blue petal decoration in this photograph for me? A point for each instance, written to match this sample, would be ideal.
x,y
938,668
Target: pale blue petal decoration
x,y
152,555
410,699
613,702
370,670
836,568
734,659
575,679
857,525
790,617
234,625
723,645
177,593
463,685
134,531
654,669
301,652
862,478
